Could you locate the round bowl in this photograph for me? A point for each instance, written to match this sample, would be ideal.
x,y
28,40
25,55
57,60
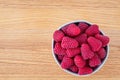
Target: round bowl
x,y
70,72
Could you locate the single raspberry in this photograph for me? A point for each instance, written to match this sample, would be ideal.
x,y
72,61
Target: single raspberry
x,y
85,70
59,50
67,62
74,68
86,52
79,61
103,39
58,35
94,61
64,29
92,30
81,38
94,43
68,42
83,26
60,57
73,30
71,52
101,53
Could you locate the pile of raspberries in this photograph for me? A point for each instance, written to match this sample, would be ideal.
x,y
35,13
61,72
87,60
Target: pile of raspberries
x,y
80,48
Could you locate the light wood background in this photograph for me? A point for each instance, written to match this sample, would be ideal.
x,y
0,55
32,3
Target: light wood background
x,y
26,29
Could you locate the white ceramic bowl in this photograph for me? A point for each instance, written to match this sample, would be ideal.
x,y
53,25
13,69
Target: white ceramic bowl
x,y
97,69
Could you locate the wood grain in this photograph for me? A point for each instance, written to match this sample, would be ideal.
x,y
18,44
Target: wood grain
x,y
26,28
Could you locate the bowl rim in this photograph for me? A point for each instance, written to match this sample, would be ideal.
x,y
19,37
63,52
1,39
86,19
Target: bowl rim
x,y
75,74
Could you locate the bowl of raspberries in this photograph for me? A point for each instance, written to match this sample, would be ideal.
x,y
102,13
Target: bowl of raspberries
x,y
80,47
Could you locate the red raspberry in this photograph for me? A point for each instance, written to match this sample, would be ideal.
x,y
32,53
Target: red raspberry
x,y
83,26
59,50
81,38
102,53
92,30
66,62
94,43
79,61
60,57
74,68
95,61
104,39
64,29
71,52
68,42
58,35
86,52
73,30
85,70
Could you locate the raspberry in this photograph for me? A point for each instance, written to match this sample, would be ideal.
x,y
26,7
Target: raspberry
x,y
83,26
86,52
74,68
102,53
79,61
85,70
59,50
68,42
64,29
60,57
66,62
81,38
95,61
103,39
94,43
71,52
58,35
73,30
92,30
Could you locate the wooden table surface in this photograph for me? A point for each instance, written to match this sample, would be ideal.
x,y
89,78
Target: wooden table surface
x,y
26,29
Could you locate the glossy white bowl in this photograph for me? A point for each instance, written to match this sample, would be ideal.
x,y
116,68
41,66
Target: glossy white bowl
x,y
97,69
